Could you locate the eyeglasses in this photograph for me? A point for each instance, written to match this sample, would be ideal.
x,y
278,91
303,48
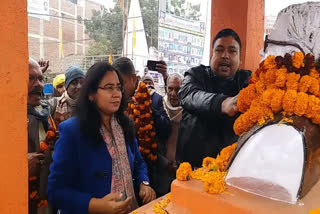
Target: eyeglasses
x,y
111,88
34,78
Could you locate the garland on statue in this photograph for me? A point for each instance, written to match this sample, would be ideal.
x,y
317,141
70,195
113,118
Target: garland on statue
x,y
287,85
212,173
141,113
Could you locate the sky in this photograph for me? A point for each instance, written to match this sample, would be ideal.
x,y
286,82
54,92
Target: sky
x,y
273,7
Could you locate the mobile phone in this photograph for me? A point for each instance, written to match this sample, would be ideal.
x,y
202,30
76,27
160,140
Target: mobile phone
x,y
151,64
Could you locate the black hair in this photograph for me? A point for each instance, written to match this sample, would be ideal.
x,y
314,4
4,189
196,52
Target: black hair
x,y
225,33
124,65
87,111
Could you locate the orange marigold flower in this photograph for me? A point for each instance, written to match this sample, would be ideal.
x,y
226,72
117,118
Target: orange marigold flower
x,y
245,97
313,104
281,77
136,112
154,146
314,73
142,107
43,203
260,86
314,86
153,134
148,115
33,178
215,183
33,194
315,211
146,103
316,119
292,81
255,77
208,163
144,95
131,116
276,101
44,146
140,149
146,151
297,60
148,127
270,77
270,62
289,101
184,171
50,133
305,83
267,96
137,121
301,105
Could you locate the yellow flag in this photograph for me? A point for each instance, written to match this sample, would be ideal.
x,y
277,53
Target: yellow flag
x,y
110,58
134,34
61,43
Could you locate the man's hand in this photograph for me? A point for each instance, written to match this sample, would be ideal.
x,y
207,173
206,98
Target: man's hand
x,y
110,204
43,65
162,69
146,193
229,106
34,163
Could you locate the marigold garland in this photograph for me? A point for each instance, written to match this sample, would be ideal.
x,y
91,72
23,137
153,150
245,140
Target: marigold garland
x,y
212,172
287,84
46,146
161,206
141,113
315,211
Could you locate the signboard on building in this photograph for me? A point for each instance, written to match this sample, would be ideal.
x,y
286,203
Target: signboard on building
x,y
181,42
36,7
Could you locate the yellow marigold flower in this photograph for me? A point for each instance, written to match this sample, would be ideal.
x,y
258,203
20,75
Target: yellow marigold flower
x,y
276,101
184,171
281,77
208,163
289,101
297,60
270,62
199,174
301,105
215,183
314,73
315,211
305,83
292,81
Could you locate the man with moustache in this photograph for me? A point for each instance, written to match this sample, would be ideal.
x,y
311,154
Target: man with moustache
x,y
208,96
38,124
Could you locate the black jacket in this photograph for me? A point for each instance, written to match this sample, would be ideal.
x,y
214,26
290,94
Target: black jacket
x,y
204,130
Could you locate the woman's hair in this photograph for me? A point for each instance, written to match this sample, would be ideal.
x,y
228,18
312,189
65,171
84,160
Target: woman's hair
x,y
87,111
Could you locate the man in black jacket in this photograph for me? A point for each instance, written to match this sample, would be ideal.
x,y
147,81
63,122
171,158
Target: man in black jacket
x,y
209,98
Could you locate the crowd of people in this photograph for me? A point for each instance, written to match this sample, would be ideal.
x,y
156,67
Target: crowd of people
x,y
83,151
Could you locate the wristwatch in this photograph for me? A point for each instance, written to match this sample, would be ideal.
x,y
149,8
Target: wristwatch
x,y
145,183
